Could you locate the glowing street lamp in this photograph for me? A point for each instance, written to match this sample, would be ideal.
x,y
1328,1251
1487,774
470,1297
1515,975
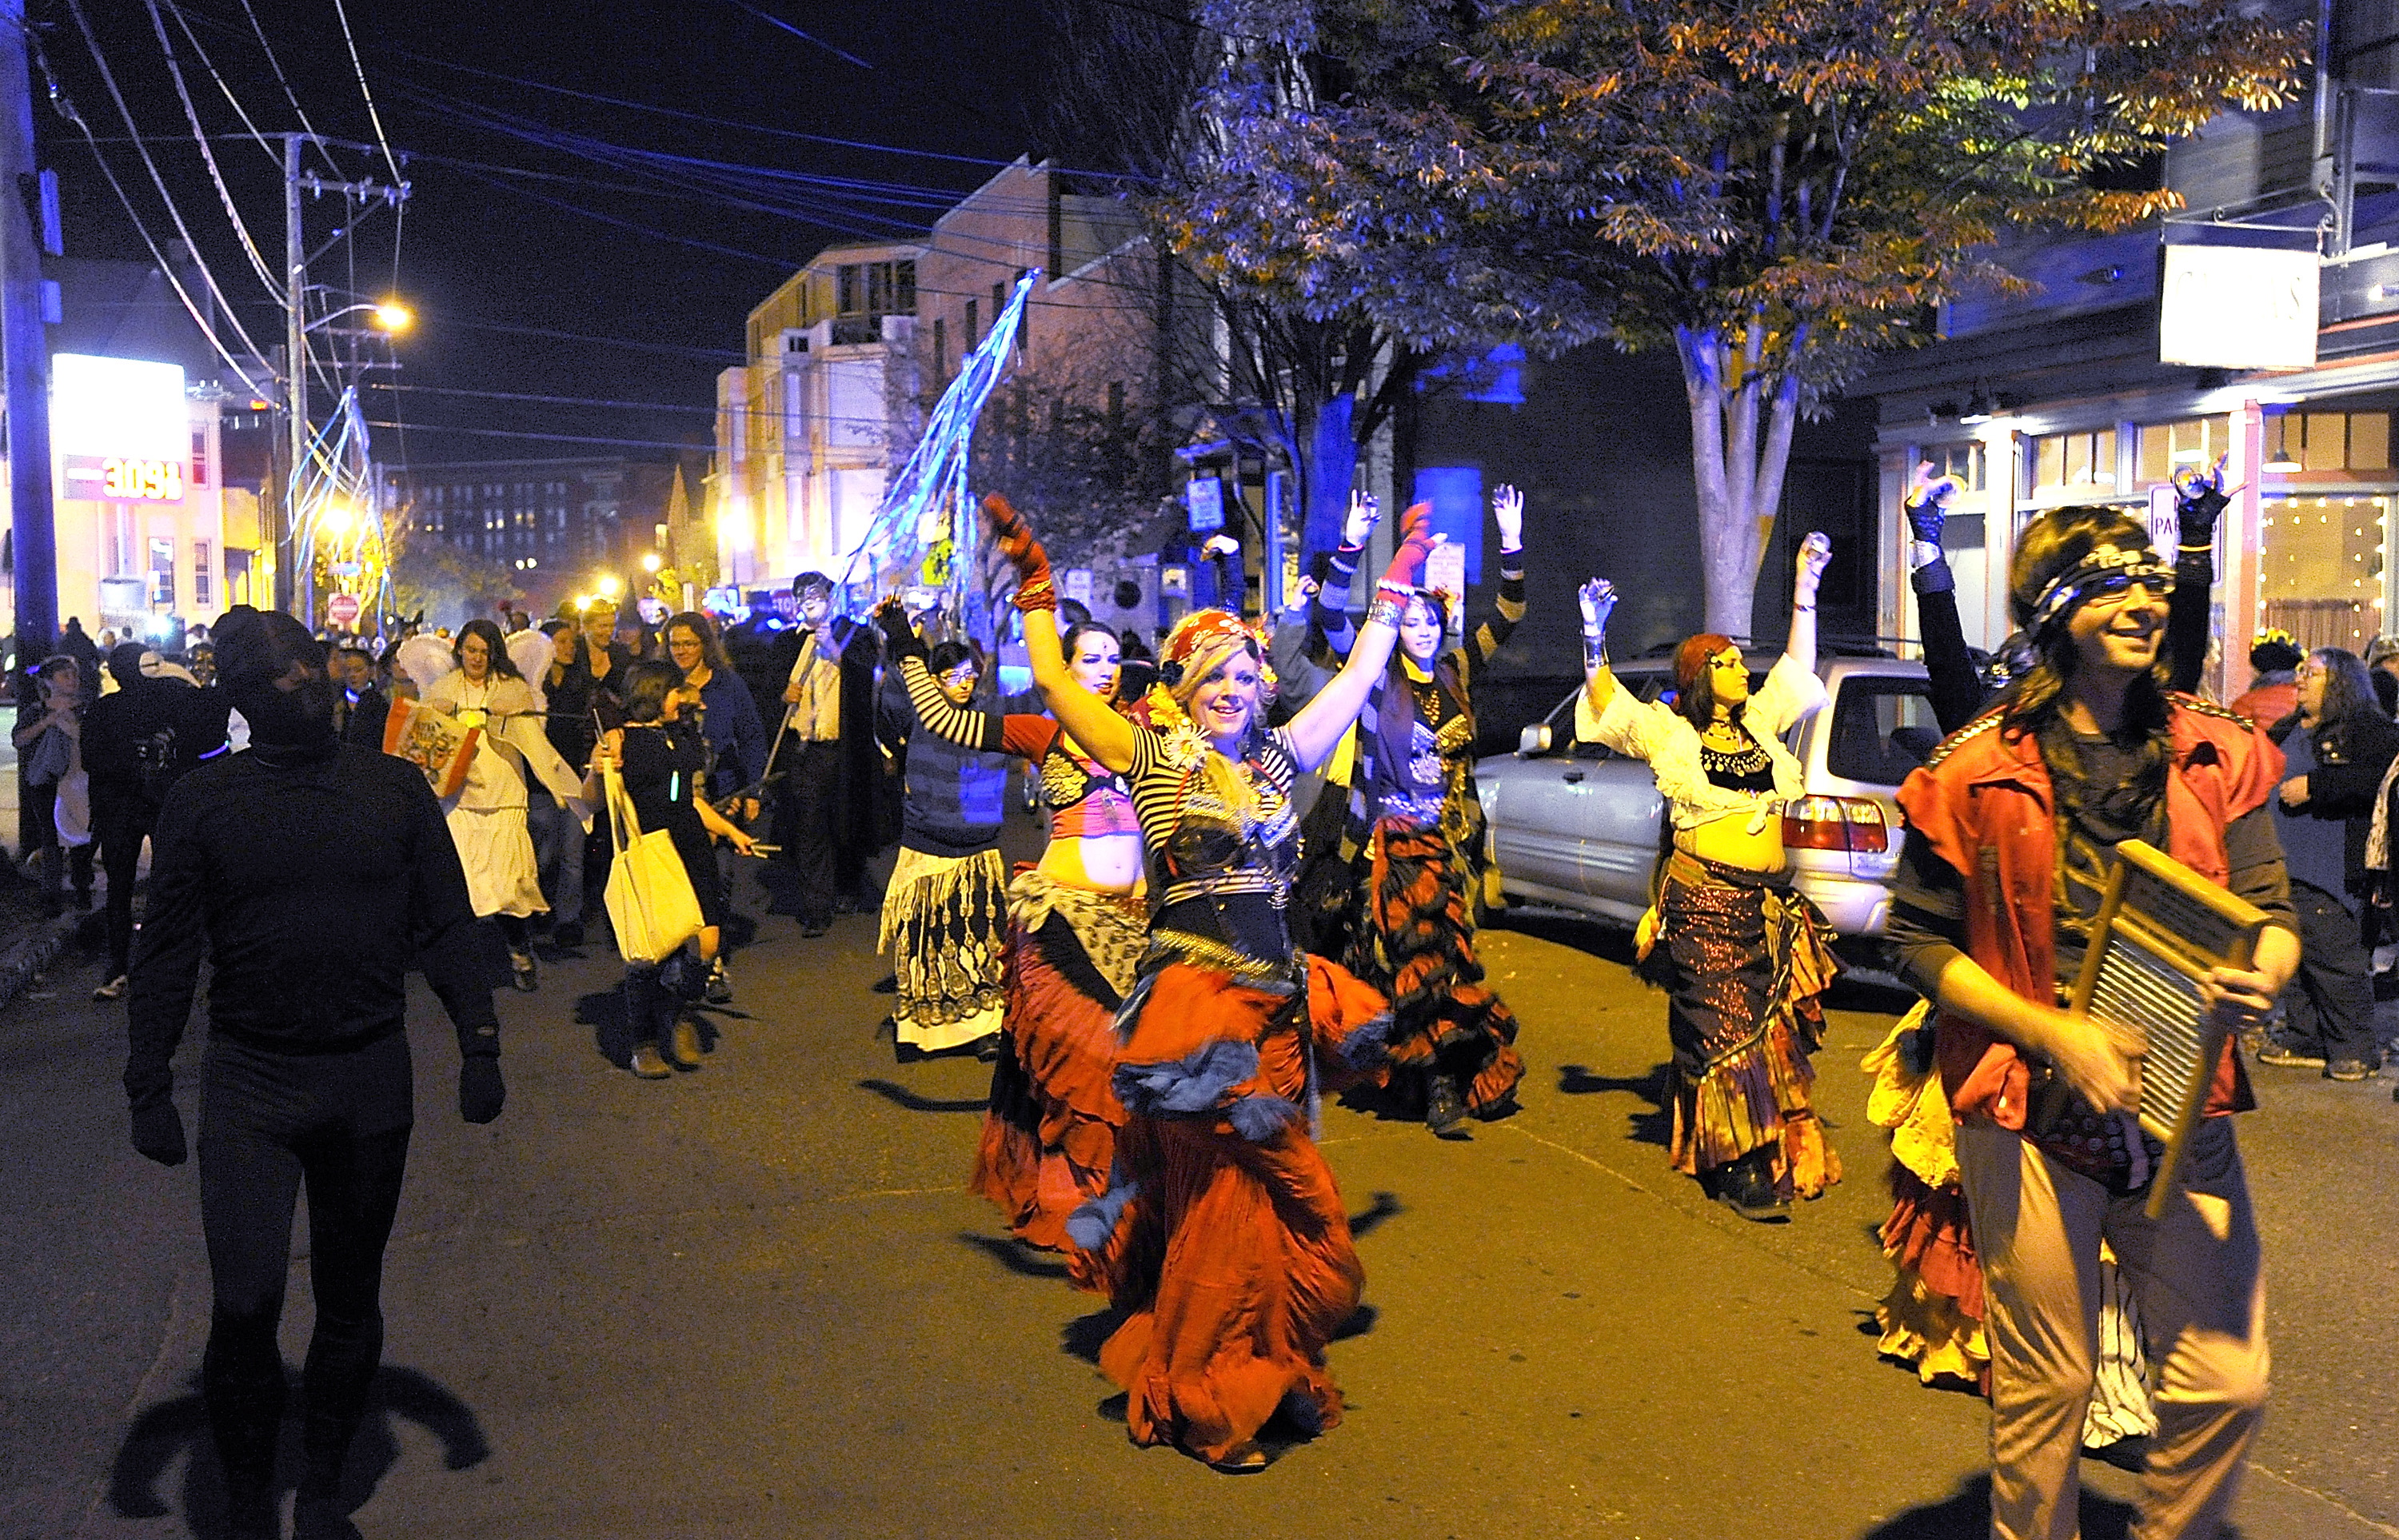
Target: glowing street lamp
x,y
649,562
607,585
335,521
393,316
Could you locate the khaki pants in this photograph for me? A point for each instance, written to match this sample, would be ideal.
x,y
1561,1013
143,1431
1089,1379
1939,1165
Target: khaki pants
x,y
2203,1303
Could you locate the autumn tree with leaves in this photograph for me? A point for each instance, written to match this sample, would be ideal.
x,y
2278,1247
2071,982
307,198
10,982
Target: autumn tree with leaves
x,y
1776,192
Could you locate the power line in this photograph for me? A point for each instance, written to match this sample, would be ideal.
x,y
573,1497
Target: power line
x,y
544,438
773,20
289,95
720,355
373,117
207,156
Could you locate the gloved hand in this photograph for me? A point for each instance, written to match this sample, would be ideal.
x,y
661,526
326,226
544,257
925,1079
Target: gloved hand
x,y
158,1133
899,639
1417,541
481,1094
1928,503
2200,498
1014,538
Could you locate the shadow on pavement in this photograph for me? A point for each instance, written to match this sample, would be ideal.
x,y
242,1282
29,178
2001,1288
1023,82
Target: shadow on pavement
x,y
604,1012
179,1428
901,1096
1966,1515
1082,1336
1650,1128
1611,942
1386,1205
1024,1261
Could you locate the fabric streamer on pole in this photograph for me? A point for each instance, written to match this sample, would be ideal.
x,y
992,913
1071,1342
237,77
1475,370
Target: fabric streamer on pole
x,y
927,503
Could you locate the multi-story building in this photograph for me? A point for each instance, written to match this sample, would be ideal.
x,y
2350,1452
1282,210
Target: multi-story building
x,y
556,525
846,357
2064,395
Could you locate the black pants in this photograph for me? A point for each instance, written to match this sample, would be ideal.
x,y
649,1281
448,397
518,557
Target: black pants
x,y
804,827
269,1122
120,834
2329,1003
60,857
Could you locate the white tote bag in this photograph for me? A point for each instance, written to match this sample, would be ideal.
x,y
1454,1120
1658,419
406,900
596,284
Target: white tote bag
x,y
651,906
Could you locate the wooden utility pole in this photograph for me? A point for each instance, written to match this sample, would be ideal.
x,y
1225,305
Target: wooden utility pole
x,y
26,353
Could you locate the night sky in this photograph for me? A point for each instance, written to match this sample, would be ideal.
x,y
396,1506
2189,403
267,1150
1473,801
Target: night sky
x,y
675,261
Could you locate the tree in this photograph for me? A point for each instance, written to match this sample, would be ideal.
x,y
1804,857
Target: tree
x,y
441,580
1775,192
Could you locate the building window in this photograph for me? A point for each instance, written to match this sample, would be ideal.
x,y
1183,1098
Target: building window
x,y
2074,465
2169,447
162,570
200,461
973,332
201,585
2329,440
2320,568
1967,462
875,288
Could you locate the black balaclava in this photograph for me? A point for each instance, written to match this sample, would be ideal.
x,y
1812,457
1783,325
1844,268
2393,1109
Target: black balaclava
x,y
254,650
124,663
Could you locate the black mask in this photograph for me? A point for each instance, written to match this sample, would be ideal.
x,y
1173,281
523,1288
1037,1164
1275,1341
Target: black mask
x,y
298,718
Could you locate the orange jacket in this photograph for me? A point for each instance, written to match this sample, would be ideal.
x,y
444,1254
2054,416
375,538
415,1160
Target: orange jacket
x,y
1984,801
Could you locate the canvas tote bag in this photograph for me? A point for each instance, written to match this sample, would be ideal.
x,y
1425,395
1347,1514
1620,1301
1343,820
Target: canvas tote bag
x,y
651,906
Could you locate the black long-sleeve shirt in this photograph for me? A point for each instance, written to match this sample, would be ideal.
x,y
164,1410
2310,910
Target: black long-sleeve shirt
x,y
312,880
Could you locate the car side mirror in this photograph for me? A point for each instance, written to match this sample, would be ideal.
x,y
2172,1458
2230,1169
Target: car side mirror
x,y
1532,741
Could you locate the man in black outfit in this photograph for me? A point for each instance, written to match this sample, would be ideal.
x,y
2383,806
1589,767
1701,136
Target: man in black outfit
x,y
833,807
138,742
307,1071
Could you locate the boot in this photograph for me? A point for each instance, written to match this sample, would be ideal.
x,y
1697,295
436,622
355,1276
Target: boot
x,y
1746,1186
647,1064
1444,1110
681,1045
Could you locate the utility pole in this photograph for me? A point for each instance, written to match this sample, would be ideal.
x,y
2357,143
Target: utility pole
x,y
32,522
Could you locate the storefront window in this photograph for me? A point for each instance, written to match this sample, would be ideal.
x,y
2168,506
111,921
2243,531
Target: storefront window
x,y
2071,466
2169,447
2321,574
2328,440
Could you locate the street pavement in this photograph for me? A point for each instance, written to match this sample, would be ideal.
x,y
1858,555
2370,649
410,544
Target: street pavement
x,y
756,1300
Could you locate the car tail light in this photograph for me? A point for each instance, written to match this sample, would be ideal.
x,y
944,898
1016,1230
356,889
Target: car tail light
x,y
1854,824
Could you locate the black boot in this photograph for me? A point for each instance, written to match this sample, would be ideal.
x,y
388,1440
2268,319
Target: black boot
x,y
1746,1186
1444,1109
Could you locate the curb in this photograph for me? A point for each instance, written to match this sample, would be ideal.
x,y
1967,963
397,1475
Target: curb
x,y
30,953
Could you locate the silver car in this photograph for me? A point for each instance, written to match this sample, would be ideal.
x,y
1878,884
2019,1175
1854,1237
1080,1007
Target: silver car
x,y
1576,826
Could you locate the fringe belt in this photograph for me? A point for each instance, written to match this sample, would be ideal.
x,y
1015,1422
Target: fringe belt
x,y
1746,962
942,924
1111,927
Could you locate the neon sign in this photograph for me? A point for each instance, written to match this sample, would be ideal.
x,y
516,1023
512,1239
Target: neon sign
x,y
142,480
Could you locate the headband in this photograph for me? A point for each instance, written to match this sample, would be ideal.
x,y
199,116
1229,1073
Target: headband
x,y
1200,628
2109,570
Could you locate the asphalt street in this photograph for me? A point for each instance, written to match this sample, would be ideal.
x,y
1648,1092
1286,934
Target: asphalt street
x,y
756,1300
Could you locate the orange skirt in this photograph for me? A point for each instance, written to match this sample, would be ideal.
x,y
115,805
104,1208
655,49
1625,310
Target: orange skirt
x,y
1226,1241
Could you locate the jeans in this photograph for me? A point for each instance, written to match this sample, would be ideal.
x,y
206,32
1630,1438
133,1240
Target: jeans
x,y
2329,1003
339,1124
557,850
119,836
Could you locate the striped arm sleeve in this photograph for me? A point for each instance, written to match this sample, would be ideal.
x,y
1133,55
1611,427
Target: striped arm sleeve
x,y
984,730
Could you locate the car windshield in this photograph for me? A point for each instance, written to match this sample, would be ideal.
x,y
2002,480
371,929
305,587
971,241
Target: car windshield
x,y
1881,728
1646,684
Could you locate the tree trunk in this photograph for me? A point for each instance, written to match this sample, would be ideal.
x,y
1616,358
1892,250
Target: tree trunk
x,y
1737,472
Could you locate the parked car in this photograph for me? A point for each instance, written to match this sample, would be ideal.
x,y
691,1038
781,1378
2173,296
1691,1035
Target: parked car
x,y
1576,826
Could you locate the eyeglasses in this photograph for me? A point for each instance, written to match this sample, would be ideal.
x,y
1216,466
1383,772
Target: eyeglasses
x,y
2117,585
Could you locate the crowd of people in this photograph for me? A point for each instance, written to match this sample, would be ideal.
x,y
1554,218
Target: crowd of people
x,y
1202,953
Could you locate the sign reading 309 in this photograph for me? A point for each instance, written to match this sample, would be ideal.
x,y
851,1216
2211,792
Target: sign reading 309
x,y
142,480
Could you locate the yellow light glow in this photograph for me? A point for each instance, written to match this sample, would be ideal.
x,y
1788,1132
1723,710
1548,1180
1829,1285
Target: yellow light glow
x,y
335,521
650,561
609,587
393,316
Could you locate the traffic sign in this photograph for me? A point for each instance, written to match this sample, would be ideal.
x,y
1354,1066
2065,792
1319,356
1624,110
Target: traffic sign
x,y
341,609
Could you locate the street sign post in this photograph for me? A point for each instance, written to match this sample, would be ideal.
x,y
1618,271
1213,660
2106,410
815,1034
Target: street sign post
x,y
341,609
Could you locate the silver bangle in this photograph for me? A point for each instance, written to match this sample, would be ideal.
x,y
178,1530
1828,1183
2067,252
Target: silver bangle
x,y
1386,610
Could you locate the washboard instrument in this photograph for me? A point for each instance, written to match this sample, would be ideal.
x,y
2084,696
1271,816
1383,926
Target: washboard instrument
x,y
2160,927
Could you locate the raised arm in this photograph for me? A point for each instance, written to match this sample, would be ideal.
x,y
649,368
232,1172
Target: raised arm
x,y
1318,727
1329,607
1598,601
1814,552
1957,692
1508,512
2200,499
1105,734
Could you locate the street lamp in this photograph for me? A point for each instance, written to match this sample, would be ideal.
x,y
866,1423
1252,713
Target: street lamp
x,y
390,317
608,586
649,562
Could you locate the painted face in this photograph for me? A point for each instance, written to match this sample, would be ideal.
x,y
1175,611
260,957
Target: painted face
x,y
1097,663
475,656
1228,698
684,648
204,664
1728,677
959,683
2310,678
816,605
2120,632
1421,631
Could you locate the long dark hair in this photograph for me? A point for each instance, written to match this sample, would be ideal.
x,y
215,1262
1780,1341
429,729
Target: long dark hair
x,y
2349,703
1081,628
1396,726
503,666
712,646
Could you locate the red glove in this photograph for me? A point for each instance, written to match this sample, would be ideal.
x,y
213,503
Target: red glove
x,y
1014,537
1416,544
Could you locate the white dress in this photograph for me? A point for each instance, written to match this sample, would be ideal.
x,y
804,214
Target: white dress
x,y
487,817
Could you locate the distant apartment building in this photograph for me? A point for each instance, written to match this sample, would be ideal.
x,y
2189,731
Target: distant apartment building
x,y
847,357
556,525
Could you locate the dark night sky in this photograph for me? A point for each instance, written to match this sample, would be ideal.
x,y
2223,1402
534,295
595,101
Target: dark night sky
x,y
951,78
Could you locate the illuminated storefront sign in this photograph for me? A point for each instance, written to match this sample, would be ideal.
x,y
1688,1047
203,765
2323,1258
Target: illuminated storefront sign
x,y
120,427
2238,308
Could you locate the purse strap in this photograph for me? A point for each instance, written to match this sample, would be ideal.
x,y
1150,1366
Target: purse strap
x,y
624,824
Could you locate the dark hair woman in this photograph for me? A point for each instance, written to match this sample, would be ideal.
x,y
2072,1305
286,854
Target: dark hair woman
x,y
1077,926
1745,959
1225,1242
660,759
735,736
2012,826
1417,817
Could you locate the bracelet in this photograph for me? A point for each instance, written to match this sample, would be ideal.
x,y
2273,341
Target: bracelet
x,y
1036,595
1594,651
1803,609
1387,609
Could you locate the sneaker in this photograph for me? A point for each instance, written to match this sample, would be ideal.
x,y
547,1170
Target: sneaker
x,y
683,1045
648,1064
113,990
525,978
720,983
1444,1112
2349,1070
2282,1056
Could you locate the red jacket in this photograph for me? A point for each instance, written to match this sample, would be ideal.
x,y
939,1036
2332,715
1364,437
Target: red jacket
x,y
1982,800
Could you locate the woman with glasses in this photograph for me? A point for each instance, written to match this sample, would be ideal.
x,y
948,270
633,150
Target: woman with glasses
x,y
1745,959
735,738
942,908
1077,922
